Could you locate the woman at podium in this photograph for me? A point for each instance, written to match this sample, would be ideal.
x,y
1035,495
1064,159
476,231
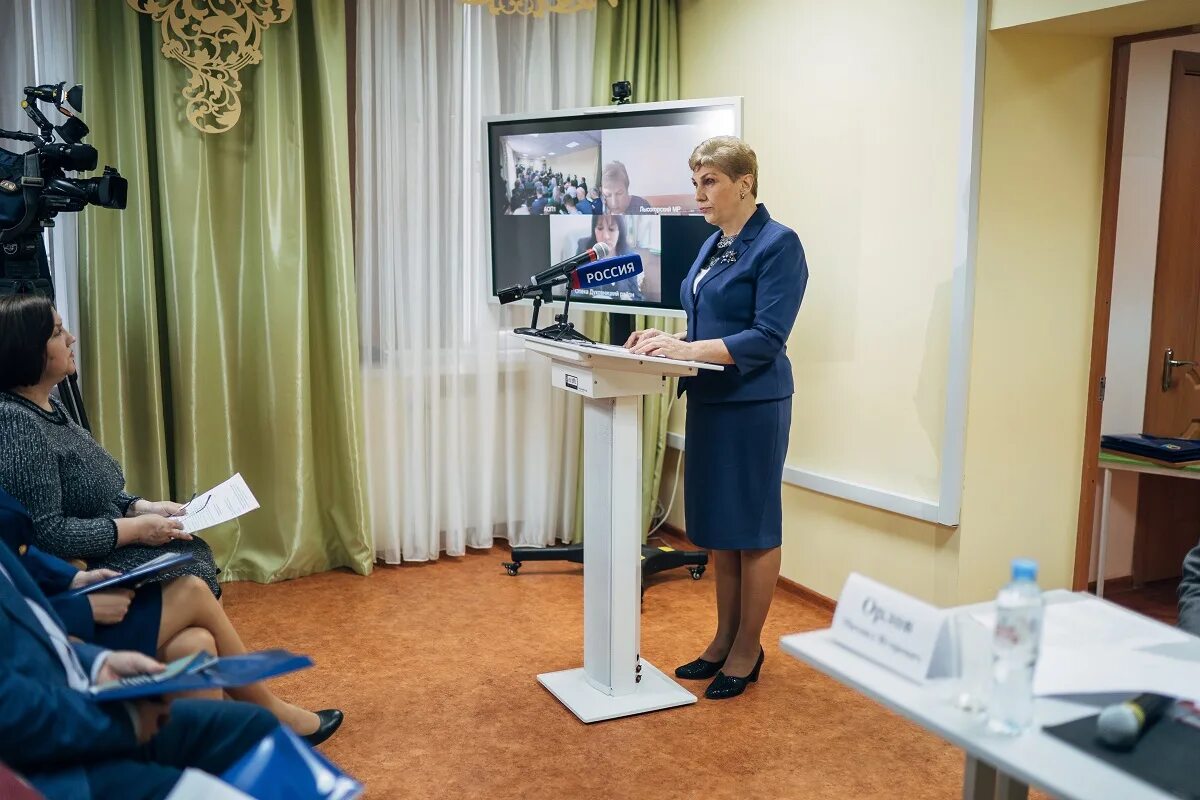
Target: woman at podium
x,y
741,297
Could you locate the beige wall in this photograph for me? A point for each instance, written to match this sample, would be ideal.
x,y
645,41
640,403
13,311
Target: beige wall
x,y
1045,119
581,164
857,133
856,127
1044,124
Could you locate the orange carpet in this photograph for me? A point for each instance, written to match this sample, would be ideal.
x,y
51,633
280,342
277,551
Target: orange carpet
x,y
434,665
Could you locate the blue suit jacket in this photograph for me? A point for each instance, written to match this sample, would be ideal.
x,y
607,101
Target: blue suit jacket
x,y
46,728
52,575
750,304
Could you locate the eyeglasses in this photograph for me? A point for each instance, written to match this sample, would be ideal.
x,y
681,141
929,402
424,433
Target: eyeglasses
x,y
185,508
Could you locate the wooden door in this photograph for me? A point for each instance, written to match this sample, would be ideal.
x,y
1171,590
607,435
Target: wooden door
x,y
1168,513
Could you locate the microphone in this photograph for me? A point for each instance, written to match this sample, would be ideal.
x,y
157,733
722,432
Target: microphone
x,y
1120,725
553,276
597,251
606,271
49,92
514,293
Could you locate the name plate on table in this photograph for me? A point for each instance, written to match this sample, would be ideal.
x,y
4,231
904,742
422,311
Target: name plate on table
x,y
900,632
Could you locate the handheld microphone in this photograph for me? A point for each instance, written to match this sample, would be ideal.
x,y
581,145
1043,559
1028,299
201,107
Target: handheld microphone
x,y
606,271
553,276
597,251
1120,725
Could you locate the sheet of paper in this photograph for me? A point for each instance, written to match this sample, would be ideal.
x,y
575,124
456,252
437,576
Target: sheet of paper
x,y
197,785
221,503
1088,622
1111,669
1093,647
616,348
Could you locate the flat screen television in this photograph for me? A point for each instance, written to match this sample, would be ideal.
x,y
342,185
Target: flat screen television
x,y
560,182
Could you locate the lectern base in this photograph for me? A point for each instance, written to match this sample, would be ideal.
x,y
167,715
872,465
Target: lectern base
x,y
655,692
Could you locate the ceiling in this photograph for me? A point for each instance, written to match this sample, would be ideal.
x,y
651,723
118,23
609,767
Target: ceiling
x,y
1105,18
534,145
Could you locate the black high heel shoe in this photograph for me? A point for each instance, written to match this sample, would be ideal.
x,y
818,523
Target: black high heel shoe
x,y
726,686
329,721
699,670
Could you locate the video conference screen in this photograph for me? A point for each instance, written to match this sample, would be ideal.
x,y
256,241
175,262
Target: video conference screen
x,y
618,175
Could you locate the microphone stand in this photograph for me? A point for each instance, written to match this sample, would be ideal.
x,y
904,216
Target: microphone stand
x,y
562,330
543,296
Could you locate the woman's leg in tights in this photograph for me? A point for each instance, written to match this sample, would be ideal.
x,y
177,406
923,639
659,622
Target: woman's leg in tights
x,y
728,564
184,643
760,575
187,604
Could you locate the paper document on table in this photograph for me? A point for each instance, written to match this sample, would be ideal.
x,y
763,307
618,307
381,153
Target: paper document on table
x,y
1113,670
1089,622
221,503
616,348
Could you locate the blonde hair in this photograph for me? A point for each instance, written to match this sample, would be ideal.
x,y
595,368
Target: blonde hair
x,y
728,154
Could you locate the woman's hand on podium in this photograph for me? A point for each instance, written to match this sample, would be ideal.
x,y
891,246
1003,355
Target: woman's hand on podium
x,y
638,336
663,345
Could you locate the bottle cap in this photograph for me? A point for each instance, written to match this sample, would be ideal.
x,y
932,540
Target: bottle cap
x,y
1024,569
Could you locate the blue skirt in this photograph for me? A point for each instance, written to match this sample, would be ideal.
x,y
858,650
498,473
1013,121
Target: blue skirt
x,y
733,473
139,630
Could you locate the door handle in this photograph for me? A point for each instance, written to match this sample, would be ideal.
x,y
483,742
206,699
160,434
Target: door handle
x,y
1170,363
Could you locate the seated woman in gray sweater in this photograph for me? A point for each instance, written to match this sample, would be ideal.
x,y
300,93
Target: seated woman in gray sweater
x,y
73,489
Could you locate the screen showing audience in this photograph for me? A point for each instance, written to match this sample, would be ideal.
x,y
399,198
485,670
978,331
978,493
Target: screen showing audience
x,y
559,185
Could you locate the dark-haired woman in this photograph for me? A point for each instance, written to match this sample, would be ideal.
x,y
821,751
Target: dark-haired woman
x,y
74,490
610,229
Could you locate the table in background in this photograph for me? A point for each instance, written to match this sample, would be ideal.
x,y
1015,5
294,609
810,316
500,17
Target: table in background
x,y
1110,462
996,766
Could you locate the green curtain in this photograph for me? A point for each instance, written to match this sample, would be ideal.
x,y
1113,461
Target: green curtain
x,y
638,41
219,325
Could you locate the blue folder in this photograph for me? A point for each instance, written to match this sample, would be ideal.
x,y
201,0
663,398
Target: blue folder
x,y
202,671
283,767
1159,448
136,576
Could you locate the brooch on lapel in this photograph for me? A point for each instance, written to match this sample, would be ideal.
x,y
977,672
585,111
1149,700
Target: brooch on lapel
x,y
725,253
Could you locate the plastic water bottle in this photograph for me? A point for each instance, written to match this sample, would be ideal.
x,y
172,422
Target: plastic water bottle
x,y
1015,643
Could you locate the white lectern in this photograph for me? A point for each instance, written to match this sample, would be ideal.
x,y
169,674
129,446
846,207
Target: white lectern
x,y
614,681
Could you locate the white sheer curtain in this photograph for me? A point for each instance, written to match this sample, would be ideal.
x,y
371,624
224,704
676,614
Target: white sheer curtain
x,y
466,441
37,45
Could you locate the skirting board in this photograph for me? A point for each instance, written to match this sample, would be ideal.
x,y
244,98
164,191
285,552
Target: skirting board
x,y
916,507
808,595
678,539
1122,584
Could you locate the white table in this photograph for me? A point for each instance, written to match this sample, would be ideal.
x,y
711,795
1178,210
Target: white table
x,y
996,766
1107,467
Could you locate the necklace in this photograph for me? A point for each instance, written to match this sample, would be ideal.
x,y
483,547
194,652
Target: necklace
x,y
725,241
